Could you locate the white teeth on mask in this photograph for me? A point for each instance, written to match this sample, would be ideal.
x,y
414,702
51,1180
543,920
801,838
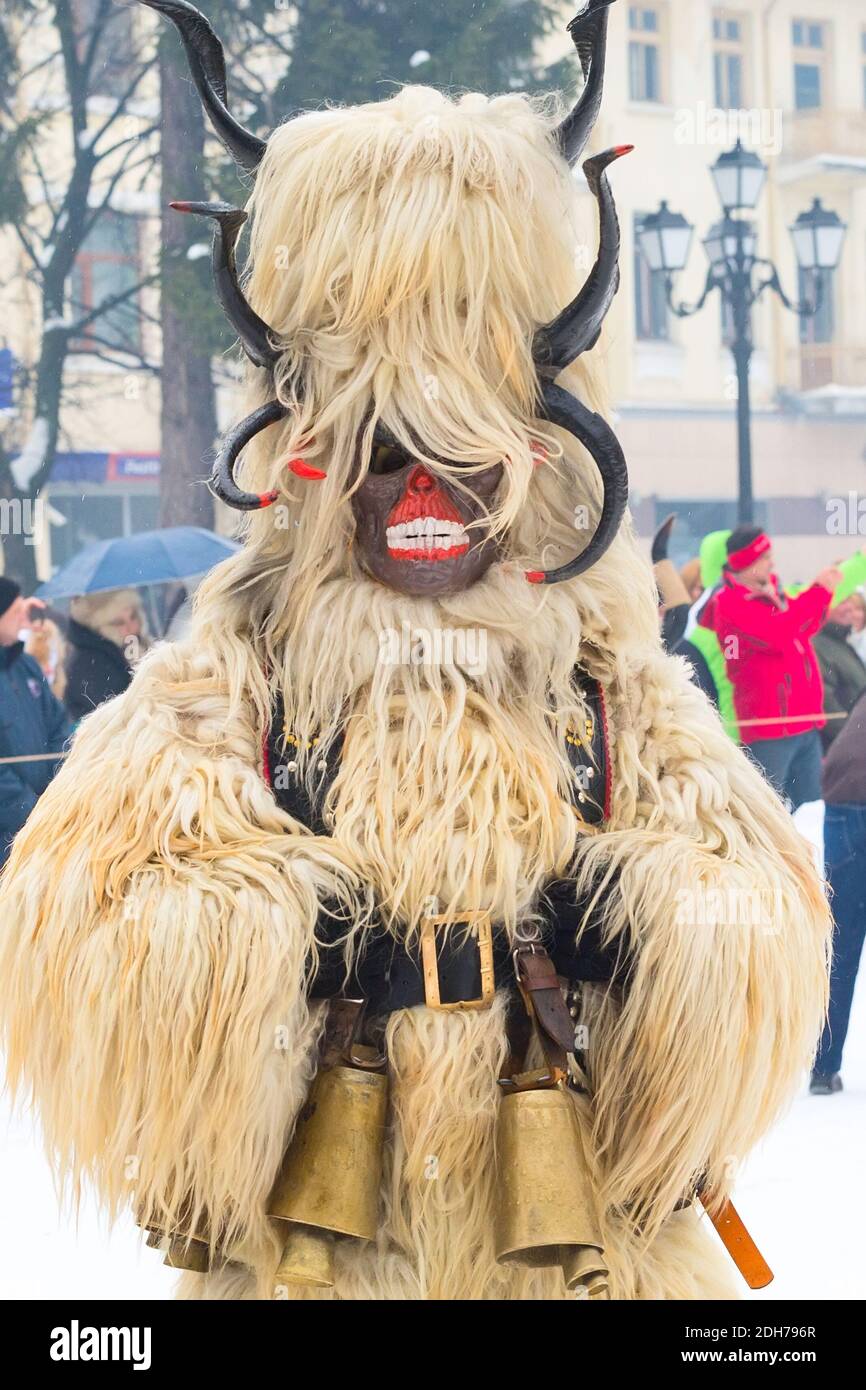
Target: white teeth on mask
x,y
426,533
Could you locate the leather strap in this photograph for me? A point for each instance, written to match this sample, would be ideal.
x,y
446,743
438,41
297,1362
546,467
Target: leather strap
x,y
341,1028
340,1043
542,993
541,986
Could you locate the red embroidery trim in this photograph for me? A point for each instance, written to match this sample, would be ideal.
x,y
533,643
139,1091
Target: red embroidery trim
x,y
608,770
266,762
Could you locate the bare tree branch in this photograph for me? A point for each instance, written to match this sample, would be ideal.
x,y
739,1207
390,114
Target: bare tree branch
x,y
110,302
104,348
122,102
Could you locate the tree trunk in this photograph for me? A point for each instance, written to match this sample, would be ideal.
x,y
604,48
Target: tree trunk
x,y
22,513
19,554
188,415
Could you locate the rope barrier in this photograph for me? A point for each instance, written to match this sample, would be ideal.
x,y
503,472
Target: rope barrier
x,y
34,758
741,723
789,719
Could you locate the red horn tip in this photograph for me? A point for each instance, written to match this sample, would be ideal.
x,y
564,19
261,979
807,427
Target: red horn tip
x,y
181,206
305,470
267,499
622,149
534,576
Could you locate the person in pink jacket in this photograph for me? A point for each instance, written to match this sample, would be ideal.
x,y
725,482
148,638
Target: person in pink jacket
x,y
766,640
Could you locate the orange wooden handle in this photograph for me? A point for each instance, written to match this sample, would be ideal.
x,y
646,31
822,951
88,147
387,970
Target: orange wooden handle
x,y
741,1248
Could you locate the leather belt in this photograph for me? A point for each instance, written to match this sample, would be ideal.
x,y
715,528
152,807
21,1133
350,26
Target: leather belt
x,y
458,968
462,968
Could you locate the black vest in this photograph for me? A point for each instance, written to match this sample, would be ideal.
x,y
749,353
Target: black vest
x,y
388,973
587,748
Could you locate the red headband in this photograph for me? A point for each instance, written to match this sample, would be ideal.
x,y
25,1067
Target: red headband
x,y
741,559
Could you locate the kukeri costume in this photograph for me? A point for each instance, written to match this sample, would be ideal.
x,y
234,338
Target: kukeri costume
x,y
382,940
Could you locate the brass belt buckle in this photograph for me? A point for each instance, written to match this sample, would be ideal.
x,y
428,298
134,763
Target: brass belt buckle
x,y
482,931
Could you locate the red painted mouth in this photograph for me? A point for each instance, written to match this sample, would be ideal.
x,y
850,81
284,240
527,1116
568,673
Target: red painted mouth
x,y
425,524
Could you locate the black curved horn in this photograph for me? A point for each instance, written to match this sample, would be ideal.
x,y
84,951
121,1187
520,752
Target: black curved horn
x,y
597,437
223,483
589,35
204,54
254,333
576,329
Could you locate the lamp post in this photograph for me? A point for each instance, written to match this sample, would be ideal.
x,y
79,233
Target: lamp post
x,y
731,246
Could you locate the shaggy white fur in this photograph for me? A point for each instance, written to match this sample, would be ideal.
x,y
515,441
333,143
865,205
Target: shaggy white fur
x,y
159,909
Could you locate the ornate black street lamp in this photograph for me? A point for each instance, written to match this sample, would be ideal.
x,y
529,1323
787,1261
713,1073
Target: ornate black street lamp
x,y
731,247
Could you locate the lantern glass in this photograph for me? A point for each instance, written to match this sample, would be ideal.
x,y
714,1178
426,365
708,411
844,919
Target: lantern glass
x,y
665,240
739,176
731,240
651,247
676,242
818,236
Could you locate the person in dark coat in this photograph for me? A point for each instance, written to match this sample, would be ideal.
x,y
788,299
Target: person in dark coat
x,y
843,672
105,637
844,787
674,601
32,721
675,605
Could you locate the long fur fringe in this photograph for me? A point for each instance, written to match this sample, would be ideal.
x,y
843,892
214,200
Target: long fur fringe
x,y
158,909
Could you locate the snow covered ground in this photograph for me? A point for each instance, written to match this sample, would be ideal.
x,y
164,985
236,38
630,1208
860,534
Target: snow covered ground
x,y
800,1195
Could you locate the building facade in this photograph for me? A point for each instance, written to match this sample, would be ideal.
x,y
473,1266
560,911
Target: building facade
x,y
684,79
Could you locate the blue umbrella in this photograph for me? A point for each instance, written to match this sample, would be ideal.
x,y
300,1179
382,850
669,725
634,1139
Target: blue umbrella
x,y
128,562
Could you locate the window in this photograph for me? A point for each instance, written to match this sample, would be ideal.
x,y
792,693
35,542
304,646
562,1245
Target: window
x,y
807,86
650,304
821,327
114,57
807,35
809,42
644,54
108,264
729,61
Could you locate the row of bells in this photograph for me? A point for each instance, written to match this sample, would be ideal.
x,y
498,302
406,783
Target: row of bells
x,y
328,1188
329,1185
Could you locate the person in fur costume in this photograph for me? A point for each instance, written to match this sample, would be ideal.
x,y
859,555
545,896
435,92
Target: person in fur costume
x,y
308,774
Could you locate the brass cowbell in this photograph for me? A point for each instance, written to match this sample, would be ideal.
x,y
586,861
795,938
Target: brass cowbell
x,y
546,1213
185,1253
183,1248
329,1183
